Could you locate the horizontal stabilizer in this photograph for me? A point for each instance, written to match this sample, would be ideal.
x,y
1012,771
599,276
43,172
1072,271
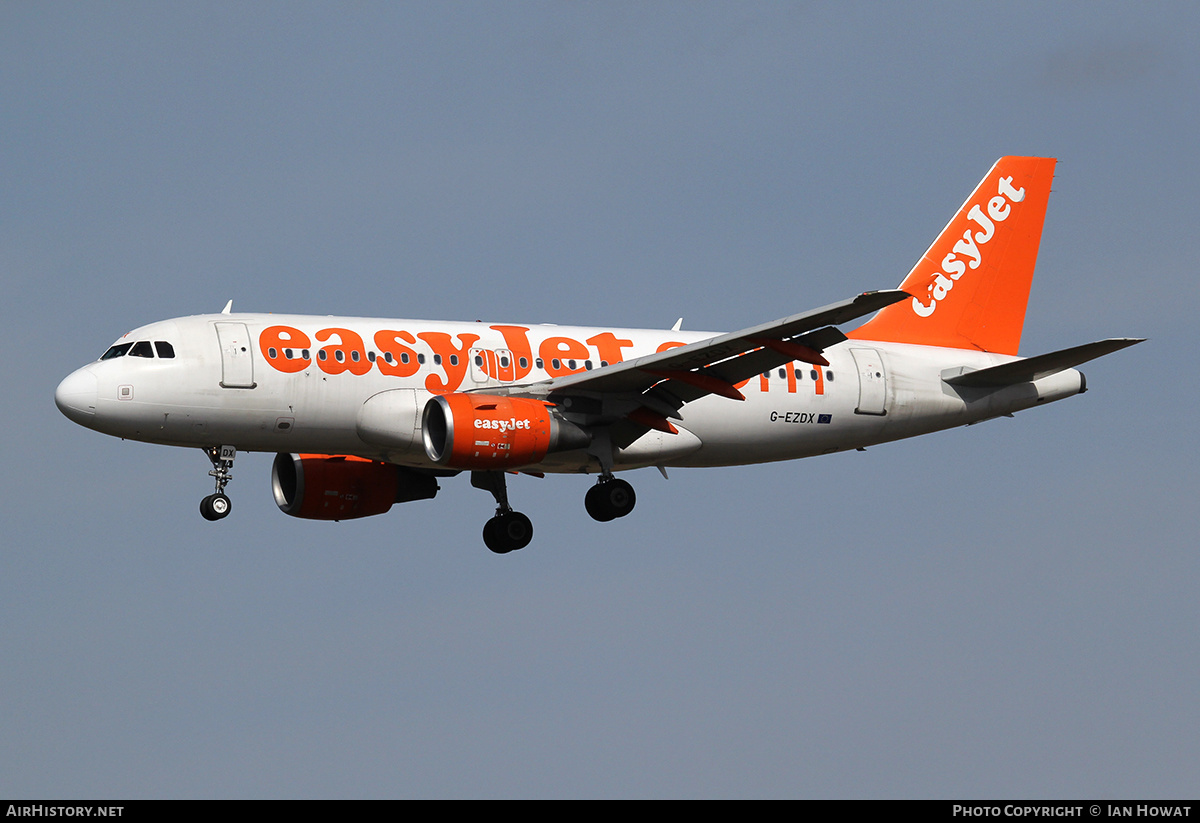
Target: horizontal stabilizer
x,y
1035,368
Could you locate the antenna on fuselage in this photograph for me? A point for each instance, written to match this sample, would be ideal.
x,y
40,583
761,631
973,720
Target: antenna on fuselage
x,y
228,308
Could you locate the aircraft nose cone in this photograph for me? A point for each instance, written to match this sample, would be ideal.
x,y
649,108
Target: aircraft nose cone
x,y
76,396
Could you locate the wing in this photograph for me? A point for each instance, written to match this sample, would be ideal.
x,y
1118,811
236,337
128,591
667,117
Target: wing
x,y
641,394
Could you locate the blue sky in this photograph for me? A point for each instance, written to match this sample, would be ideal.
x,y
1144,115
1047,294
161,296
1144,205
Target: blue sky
x,y
1004,610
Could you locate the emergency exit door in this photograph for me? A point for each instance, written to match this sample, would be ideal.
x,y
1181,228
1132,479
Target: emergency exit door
x,y
237,363
872,381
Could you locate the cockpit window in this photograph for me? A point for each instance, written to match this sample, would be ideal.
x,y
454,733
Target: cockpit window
x,y
142,348
118,350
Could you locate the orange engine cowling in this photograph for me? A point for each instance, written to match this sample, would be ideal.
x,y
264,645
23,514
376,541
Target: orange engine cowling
x,y
483,431
341,487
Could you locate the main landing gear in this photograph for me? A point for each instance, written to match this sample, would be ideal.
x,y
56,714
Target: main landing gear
x,y
217,505
508,530
609,499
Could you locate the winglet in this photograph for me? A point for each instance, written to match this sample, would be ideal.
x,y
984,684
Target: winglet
x,y
228,308
970,289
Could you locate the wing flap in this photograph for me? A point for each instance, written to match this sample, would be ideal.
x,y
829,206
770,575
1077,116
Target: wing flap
x,y
729,357
635,396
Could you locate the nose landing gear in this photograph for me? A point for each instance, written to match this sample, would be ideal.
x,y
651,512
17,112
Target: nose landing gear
x,y
217,505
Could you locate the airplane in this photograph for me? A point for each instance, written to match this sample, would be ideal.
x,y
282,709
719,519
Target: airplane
x,y
364,413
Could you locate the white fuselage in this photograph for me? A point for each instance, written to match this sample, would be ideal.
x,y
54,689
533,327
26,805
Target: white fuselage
x,y
340,385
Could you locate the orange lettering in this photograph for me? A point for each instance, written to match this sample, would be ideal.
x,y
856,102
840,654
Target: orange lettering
x,y
347,354
404,360
562,349
454,360
516,340
274,341
666,346
609,346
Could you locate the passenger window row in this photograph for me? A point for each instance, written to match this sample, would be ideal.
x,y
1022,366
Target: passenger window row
x,y
799,373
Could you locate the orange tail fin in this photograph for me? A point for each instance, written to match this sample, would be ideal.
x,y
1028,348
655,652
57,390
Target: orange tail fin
x,y
969,291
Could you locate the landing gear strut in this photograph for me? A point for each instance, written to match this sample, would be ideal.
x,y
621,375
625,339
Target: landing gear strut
x,y
217,505
508,530
609,499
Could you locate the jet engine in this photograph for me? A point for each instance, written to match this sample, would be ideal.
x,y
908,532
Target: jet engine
x,y
341,487
484,432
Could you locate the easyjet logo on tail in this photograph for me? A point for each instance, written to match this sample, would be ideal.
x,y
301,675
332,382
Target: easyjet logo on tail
x,y
971,286
967,253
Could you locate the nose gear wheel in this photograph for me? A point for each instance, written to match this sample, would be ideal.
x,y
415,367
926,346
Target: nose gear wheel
x,y
217,505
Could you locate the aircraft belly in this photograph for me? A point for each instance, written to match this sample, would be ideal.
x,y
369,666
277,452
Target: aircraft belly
x,y
770,426
658,448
